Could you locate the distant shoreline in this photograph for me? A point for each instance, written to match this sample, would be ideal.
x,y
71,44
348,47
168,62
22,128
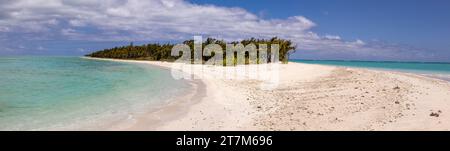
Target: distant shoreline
x,y
443,73
425,62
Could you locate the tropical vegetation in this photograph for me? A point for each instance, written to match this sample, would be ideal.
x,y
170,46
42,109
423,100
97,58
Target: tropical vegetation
x,y
162,52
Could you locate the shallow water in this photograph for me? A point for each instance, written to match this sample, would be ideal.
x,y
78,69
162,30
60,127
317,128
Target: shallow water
x,y
72,93
435,70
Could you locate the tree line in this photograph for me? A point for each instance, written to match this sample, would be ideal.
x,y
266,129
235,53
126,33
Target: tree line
x,y
162,52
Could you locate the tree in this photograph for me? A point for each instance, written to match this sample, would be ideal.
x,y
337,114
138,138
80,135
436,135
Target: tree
x,y
156,51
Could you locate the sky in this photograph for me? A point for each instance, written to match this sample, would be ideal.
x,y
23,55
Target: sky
x,y
388,30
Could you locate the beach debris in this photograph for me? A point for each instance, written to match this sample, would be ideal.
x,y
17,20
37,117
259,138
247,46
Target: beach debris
x,y
331,108
408,106
397,102
436,114
396,88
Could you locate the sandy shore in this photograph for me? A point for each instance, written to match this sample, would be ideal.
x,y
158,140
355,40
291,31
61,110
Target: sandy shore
x,y
309,97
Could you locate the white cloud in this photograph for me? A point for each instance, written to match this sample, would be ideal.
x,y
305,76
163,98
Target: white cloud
x,y
69,32
127,20
359,42
145,20
332,37
4,29
81,50
40,48
77,23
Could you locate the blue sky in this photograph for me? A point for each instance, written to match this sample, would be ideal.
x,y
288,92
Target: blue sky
x,y
405,30
419,22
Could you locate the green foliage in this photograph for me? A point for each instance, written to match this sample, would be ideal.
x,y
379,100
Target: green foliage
x,y
162,51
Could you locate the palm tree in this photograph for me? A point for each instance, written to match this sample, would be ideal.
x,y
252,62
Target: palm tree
x,y
156,51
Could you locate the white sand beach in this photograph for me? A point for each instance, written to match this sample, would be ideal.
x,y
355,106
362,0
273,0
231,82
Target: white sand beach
x,y
309,97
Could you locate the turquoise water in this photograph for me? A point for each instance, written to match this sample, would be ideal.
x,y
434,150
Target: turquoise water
x,y
438,70
46,93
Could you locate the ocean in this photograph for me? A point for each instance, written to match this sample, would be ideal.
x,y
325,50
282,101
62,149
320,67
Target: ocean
x,y
73,93
435,70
